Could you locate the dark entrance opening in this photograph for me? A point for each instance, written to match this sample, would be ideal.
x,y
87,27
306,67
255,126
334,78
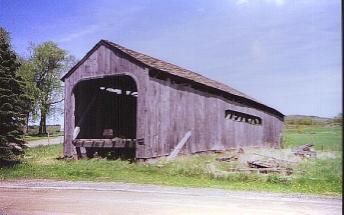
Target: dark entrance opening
x,y
105,116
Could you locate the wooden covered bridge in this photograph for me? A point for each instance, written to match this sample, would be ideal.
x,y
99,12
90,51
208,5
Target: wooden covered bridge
x,y
121,101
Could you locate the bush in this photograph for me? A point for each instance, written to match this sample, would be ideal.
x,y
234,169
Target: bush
x,y
13,103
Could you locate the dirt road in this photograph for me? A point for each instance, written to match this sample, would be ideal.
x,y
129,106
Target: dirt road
x,y
53,197
51,141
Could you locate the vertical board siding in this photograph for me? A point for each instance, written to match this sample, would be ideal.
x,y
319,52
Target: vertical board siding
x,y
204,115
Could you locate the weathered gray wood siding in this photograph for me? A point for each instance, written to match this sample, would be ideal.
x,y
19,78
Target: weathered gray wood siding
x,y
167,110
178,108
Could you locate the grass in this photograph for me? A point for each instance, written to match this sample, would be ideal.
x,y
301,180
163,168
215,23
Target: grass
x,y
32,137
321,176
323,138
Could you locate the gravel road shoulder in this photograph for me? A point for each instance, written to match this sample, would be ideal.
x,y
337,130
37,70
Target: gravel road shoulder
x,y
62,197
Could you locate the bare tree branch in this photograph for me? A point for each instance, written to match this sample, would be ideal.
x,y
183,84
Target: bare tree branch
x,y
52,103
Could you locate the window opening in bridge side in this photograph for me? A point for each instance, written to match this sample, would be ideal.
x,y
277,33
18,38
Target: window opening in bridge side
x,y
243,117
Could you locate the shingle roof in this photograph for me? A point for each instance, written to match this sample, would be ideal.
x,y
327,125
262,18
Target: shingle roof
x,y
176,70
169,68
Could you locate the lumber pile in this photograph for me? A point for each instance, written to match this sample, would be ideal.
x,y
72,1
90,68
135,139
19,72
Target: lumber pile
x,y
267,166
305,151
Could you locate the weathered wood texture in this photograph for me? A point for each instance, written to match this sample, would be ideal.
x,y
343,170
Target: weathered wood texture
x,y
105,143
167,108
204,115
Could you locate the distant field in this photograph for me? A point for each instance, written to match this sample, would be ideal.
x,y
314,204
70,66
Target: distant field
x,y
41,137
53,130
324,138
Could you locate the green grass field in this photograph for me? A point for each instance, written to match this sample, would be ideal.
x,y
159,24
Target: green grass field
x,y
321,176
53,130
323,138
33,137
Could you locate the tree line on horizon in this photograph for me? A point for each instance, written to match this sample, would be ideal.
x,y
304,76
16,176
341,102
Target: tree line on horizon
x,y
30,90
313,120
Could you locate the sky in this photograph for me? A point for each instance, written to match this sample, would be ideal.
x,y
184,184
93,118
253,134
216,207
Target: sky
x,y
284,53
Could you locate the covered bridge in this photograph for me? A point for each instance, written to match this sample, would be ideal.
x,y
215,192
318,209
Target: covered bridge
x,y
121,101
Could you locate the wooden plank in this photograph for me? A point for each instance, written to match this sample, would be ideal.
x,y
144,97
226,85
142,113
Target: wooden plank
x,y
106,143
206,134
198,122
191,109
173,139
182,116
164,118
179,146
142,111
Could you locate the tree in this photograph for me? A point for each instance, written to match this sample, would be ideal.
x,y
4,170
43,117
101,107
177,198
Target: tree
x,y
46,64
27,73
338,119
13,102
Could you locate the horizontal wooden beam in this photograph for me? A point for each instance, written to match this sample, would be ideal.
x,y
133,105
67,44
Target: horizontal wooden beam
x,y
107,143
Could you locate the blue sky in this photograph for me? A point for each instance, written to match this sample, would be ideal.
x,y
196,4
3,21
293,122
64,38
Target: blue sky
x,y
284,53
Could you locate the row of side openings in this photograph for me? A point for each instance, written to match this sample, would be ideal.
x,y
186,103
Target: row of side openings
x,y
243,117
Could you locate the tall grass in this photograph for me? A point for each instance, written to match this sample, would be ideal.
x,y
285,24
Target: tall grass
x,y
319,177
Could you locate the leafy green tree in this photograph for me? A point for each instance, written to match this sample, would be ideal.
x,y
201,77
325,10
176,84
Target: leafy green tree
x,y
13,102
26,71
46,64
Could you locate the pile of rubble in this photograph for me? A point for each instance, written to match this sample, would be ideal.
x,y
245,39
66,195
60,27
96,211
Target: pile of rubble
x,y
262,163
232,157
270,165
305,151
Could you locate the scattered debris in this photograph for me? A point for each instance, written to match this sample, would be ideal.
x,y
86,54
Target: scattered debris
x,y
286,171
241,151
277,159
263,164
267,166
305,151
228,159
220,173
232,157
65,158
